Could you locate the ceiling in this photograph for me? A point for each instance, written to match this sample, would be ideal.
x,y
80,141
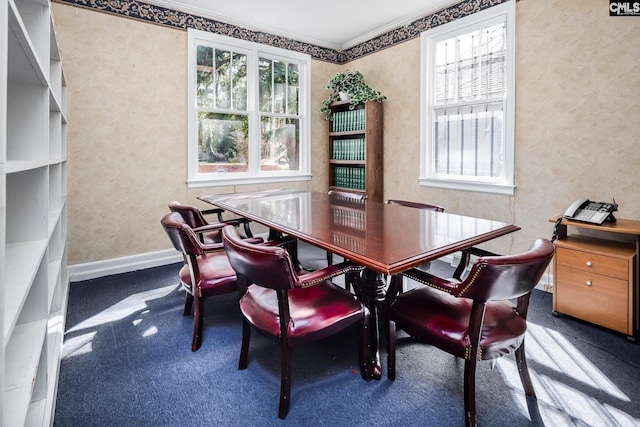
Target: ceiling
x,y
335,24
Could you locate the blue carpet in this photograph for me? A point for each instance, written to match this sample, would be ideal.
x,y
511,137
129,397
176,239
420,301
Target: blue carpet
x,y
127,361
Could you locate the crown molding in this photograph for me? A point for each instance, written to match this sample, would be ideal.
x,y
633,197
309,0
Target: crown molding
x,y
403,22
177,5
390,35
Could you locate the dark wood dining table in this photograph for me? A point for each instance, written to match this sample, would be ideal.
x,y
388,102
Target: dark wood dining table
x,y
385,239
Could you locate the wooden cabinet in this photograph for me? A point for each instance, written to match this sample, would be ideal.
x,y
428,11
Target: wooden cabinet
x,y
355,149
595,279
33,222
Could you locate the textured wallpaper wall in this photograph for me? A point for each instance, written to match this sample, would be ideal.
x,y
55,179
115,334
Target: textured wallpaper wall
x,y
577,125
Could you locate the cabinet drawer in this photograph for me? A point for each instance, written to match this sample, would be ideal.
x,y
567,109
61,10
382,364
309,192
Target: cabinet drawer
x,y
604,302
594,263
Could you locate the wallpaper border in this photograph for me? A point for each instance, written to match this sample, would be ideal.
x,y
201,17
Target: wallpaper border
x,y
158,15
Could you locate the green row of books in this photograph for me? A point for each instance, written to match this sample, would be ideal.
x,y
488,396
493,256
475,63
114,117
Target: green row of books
x,y
345,121
349,177
348,149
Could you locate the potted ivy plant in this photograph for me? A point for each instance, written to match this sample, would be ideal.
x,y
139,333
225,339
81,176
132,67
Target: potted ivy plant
x,y
349,85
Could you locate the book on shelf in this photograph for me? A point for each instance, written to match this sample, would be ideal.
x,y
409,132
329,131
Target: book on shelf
x,y
349,120
348,149
349,177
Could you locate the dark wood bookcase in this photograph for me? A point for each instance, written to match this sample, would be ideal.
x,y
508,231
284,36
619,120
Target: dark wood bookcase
x,y
355,149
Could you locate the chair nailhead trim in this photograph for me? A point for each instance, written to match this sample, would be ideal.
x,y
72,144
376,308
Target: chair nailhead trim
x,y
349,269
426,282
473,279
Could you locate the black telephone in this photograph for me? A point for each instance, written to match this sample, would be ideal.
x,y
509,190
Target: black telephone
x,y
591,212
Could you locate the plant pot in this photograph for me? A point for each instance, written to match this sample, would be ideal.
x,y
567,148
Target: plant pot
x,y
344,96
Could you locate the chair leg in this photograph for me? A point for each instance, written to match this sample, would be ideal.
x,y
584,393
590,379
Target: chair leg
x,y
197,323
329,258
244,349
349,282
285,380
470,392
523,370
188,304
391,350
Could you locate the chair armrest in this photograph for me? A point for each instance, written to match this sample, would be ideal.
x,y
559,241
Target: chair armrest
x,y
211,247
247,226
479,252
233,221
212,211
209,227
465,258
445,285
329,272
215,247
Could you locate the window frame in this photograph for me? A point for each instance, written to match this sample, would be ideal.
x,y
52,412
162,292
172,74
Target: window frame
x,y
254,51
504,12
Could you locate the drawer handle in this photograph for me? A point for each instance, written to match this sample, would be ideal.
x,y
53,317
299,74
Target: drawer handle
x,y
589,263
589,283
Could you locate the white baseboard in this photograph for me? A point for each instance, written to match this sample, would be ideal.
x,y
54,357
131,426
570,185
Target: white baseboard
x,y
93,270
546,282
107,267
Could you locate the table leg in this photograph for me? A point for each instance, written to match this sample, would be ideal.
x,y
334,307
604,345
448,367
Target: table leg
x,y
374,287
287,242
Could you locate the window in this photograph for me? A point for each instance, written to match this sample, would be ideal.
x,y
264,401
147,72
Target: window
x,y
248,112
467,131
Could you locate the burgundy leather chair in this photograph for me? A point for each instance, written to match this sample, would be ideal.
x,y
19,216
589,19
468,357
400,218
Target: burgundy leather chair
x,y
292,307
206,271
195,218
472,319
348,197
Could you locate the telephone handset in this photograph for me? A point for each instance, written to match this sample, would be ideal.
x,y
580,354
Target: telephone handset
x,y
592,212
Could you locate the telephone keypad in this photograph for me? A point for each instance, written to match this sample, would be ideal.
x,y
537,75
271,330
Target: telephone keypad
x,y
591,215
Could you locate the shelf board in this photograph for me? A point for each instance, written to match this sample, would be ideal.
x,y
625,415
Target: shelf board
x,y
23,72
54,275
348,133
54,218
54,104
21,266
340,103
348,162
21,367
13,166
35,417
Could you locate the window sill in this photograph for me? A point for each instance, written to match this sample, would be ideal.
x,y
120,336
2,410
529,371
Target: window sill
x,y
476,187
201,182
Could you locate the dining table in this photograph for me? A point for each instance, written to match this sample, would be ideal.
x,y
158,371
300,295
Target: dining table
x,y
385,239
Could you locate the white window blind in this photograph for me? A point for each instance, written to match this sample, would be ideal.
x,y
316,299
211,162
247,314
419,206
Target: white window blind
x,y
467,134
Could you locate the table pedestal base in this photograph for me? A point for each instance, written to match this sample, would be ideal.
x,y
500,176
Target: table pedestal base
x,y
374,287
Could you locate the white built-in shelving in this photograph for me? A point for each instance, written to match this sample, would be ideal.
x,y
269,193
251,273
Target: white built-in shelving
x,y
33,212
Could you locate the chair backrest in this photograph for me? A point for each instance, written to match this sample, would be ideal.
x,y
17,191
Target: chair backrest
x,y
192,215
417,205
181,235
266,266
507,277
